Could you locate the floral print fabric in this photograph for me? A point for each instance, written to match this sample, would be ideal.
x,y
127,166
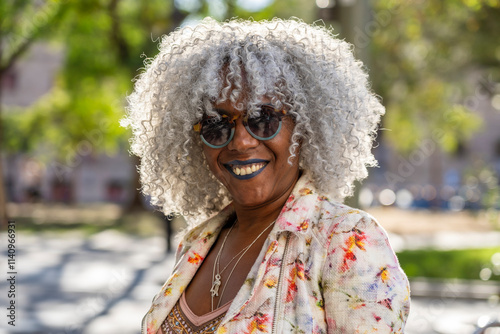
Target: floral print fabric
x,y
324,268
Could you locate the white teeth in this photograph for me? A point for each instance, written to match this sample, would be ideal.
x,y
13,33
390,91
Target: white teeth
x,y
246,170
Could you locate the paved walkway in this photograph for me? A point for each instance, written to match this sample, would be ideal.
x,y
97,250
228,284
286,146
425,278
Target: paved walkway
x,y
101,284
104,284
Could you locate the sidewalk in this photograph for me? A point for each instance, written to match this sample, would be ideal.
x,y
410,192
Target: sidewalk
x,y
103,284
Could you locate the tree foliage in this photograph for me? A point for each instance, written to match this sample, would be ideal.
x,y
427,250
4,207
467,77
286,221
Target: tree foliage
x,y
424,53
22,23
102,43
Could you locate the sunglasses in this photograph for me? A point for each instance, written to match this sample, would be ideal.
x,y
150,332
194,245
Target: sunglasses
x,y
218,131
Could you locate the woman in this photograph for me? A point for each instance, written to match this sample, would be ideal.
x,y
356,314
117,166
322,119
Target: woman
x,y
264,127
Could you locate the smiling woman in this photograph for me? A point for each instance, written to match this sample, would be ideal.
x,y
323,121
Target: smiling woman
x,y
264,126
263,149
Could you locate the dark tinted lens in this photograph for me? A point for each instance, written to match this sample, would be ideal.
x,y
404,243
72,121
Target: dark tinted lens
x,y
266,123
216,131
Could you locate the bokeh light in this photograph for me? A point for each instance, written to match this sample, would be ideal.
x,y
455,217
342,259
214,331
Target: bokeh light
x,y
485,274
365,198
457,203
429,192
493,300
495,102
495,259
404,199
387,197
325,3
254,5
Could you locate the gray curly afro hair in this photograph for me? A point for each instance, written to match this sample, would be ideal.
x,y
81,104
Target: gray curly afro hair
x,y
304,68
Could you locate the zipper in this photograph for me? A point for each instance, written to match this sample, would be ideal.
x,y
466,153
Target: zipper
x,y
278,288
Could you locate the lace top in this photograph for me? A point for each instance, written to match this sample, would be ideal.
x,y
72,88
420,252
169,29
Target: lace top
x,y
182,320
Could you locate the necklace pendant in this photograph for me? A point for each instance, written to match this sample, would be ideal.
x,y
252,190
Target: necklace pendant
x,y
215,286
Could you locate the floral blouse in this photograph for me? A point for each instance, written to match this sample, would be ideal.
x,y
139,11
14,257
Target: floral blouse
x,y
324,268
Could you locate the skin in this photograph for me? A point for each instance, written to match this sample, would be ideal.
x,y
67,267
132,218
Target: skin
x,y
257,202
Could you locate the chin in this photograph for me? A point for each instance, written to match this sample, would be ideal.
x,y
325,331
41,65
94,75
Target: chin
x,y
249,199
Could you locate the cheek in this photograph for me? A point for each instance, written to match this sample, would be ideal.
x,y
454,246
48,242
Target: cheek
x,y
211,157
287,129
282,147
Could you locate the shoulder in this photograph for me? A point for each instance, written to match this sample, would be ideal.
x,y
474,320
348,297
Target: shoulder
x,y
339,219
203,232
309,210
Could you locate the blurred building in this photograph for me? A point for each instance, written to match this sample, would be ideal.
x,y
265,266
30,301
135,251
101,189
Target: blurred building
x,y
90,178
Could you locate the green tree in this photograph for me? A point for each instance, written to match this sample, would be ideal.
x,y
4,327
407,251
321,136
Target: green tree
x,y
422,53
102,41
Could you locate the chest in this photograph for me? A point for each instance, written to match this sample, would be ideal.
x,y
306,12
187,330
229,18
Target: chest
x,y
221,274
283,290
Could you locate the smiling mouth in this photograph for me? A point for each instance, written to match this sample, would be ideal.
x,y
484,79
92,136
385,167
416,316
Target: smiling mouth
x,y
245,170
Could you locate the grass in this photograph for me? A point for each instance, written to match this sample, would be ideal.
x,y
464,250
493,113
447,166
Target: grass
x,y
463,263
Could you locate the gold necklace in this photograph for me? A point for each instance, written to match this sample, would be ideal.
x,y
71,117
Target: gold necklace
x,y
216,277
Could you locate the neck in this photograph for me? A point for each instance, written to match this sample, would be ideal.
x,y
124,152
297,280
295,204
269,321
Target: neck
x,y
252,220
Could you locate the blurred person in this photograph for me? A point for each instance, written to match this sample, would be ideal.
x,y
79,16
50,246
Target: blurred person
x,y
256,131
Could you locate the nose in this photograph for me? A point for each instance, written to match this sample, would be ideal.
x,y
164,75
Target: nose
x,y
242,140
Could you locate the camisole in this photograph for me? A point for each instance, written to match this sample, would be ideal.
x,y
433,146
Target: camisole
x,y
182,320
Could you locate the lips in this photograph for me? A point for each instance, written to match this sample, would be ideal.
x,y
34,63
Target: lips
x,y
244,170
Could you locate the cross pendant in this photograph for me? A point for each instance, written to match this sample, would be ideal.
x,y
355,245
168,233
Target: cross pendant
x,y
215,286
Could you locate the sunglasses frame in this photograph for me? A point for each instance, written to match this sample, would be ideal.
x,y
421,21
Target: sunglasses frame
x,y
197,127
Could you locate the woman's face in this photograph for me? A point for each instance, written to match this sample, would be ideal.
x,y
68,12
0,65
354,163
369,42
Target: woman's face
x,y
268,175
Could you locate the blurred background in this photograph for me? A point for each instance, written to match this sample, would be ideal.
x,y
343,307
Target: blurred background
x,y
91,252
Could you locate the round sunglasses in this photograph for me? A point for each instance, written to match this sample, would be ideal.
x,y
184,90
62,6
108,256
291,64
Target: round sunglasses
x,y
218,131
